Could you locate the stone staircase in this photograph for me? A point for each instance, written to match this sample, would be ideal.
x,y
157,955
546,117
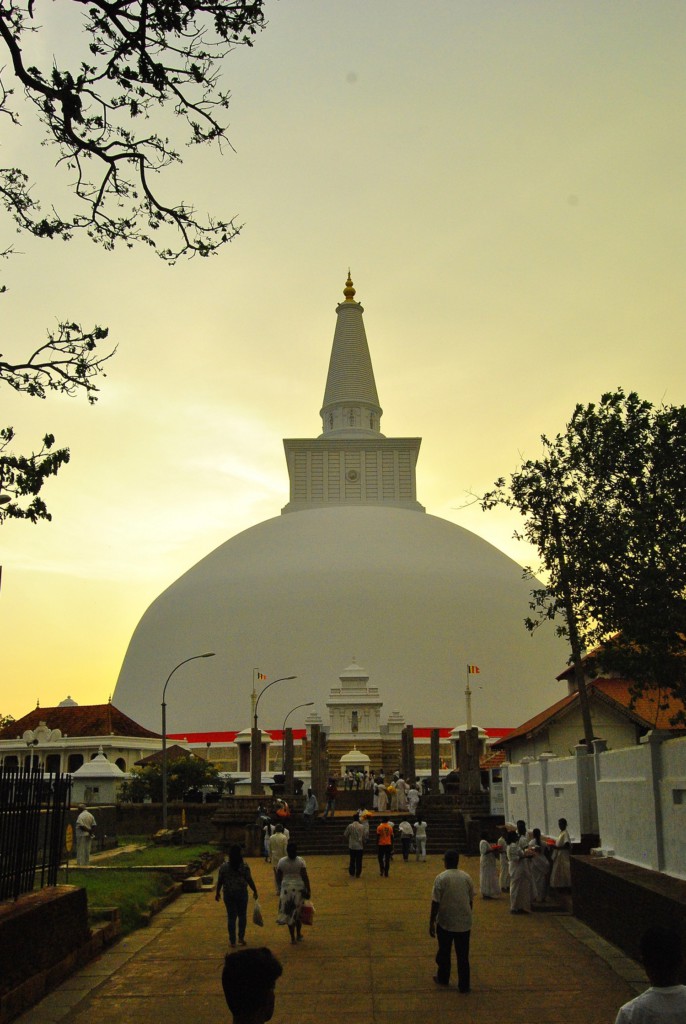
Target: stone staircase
x,y
446,830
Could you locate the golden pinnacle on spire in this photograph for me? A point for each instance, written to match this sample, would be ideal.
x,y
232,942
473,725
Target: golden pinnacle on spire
x,y
349,291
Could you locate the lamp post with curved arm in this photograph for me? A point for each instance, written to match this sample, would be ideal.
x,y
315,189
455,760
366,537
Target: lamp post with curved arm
x,y
308,704
194,657
255,741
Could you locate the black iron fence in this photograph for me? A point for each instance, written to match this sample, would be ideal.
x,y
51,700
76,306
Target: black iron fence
x,y
33,818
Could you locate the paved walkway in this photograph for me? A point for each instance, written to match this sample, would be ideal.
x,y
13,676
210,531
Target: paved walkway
x,y
367,960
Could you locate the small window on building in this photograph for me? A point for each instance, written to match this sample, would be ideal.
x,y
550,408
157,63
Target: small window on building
x,y
558,791
354,723
121,763
679,796
75,762
11,761
53,763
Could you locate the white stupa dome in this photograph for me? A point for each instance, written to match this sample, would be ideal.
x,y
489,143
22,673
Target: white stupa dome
x,y
420,596
355,565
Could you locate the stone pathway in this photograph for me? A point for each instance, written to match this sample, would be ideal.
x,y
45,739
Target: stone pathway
x,y
368,959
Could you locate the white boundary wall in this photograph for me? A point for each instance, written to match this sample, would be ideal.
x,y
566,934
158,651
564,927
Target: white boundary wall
x,y
543,791
642,803
634,798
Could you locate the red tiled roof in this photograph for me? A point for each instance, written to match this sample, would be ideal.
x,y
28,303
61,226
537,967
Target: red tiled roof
x,y
174,753
647,711
492,760
78,720
652,709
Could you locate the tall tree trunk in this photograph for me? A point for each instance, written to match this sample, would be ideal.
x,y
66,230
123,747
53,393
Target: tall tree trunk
x,y
574,641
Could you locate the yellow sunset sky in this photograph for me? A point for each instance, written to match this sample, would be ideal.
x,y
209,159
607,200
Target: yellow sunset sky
x,y
505,181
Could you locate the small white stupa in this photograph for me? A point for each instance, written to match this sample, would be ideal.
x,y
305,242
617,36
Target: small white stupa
x,y
97,781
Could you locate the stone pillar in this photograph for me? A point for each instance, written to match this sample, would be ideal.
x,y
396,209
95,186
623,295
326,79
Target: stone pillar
x,y
320,792
256,762
316,759
470,776
410,763
288,761
435,760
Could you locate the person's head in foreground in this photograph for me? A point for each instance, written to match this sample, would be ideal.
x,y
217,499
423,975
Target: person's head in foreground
x,y
662,957
248,979
451,859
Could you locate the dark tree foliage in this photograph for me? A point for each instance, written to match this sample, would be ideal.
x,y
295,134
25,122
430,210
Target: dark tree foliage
x,y
605,507
139,57
101,113
68,364
184,774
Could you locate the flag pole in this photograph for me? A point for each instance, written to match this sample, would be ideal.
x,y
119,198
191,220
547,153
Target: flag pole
x,y
253,695
468,701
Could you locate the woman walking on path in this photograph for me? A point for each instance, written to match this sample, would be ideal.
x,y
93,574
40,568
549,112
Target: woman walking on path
x,y
233,880
294,885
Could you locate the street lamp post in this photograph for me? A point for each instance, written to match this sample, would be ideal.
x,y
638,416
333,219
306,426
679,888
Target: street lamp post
x,y
255,740
308,704
194,657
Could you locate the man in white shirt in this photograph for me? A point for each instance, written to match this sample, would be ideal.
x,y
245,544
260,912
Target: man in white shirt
x,y
452,899
278,842
665,1001
406,836
356,833
85,830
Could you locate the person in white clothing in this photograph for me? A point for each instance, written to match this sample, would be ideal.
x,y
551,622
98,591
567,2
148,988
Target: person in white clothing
x,y
452,900
413,798
489,884
85,830
402,789
665,1001
540,868
561,874
420,839
278,843
406,836
504,866
520,880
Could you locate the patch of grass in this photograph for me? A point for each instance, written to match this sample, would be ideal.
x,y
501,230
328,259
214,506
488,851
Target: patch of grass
x,y
156,855
131,891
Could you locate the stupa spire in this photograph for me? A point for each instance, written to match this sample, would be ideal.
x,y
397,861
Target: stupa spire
x,y
351,462
351,403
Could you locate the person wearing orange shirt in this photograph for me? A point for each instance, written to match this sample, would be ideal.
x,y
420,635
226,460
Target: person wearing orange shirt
x,y
385,846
